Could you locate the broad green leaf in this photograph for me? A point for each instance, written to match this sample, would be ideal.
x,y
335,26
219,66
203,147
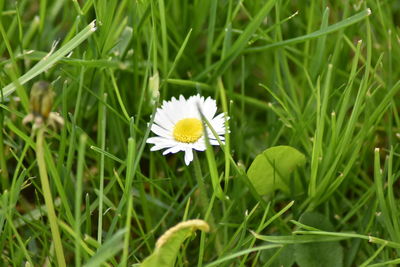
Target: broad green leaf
x,y
283,256
271,169
167,246
329,254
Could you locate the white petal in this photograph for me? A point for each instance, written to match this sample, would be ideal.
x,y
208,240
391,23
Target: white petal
x,y
175,110
160,143
162,119
159,147
199,146
209,108
194,103
219,132
215,142
212,138
173,150
157,140
221,116
188,155
161,131
219,119
218,123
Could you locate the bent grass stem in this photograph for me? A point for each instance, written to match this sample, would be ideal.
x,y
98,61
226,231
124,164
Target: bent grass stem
x,y
48,198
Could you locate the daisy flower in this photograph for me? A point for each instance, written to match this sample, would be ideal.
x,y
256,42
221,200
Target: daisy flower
x,y
178,125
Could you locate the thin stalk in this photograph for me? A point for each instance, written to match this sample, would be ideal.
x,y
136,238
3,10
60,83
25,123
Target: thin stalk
x,y
203,202
101,187
19,239
3,165
206,206
48,198
199,178
128,197
78,198
127,234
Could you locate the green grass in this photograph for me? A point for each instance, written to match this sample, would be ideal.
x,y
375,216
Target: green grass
x,y
319,76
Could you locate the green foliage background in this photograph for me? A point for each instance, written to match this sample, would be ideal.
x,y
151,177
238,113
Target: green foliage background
x,y
319,76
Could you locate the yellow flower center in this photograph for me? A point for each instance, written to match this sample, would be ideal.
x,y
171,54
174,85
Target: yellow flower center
x,y
188,130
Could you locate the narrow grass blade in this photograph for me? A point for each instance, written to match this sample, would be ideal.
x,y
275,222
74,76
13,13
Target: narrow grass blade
x,y
103,123
370,239
239,45
240,253
78,197
330,29
107,250
49,60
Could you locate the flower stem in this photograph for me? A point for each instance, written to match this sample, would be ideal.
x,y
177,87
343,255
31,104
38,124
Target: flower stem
x,y
47,197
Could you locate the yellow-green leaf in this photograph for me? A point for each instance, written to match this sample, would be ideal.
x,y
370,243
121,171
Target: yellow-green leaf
x,y
167,246
271,169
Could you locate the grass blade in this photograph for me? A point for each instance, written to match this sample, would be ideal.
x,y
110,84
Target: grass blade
x,y
49,60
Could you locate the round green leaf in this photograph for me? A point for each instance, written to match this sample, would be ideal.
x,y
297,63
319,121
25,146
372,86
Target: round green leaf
x,y
283,257
327,254
271,169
